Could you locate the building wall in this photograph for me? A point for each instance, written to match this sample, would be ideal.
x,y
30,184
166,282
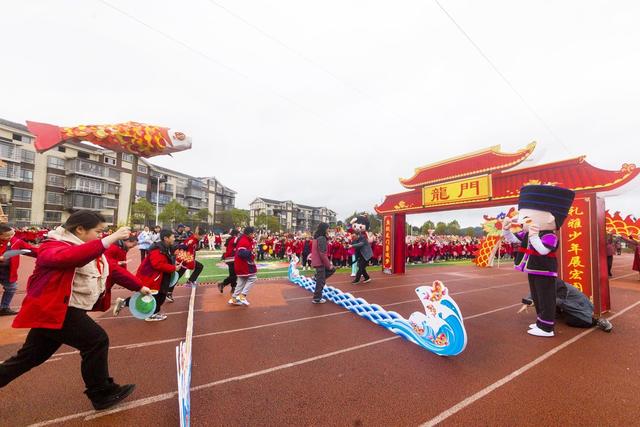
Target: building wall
x,y
43,192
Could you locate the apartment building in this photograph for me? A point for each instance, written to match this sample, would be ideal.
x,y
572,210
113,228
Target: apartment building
x,y
293,216
45,188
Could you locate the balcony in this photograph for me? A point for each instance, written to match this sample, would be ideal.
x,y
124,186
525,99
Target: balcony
x,y
10,152
195,193
196,204
86,185
85,201
92,169
10,172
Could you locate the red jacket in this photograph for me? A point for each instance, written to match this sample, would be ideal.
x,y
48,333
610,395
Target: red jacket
x,y
14,263
244,261
230,249
49,287
117,274
152,269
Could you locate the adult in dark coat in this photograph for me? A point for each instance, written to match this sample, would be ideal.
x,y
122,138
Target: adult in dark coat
x,y
574,306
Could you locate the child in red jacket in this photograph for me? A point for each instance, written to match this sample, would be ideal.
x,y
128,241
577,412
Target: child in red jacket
x,y
9,267
68,280
116,256
157,270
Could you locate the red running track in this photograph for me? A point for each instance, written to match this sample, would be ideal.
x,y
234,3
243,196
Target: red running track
x,y
285,361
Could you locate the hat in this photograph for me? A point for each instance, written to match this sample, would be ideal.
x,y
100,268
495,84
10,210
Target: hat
x,y
548,198
142,306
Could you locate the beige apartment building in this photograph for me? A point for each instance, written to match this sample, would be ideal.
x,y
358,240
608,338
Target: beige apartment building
x,y
43,189
292,216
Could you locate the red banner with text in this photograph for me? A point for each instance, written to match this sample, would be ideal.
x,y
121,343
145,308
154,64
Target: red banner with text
x,y
387,256
575,244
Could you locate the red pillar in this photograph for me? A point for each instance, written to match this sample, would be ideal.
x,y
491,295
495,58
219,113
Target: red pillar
x,y
399,247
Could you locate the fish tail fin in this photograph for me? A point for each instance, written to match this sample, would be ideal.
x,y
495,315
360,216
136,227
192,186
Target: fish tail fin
x,y
47,136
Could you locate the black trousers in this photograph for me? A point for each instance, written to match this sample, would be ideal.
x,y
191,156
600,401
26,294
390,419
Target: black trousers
x,y
231,279
578,323
362,268
609,264
143,254
322,274
78,331
196,271
543,292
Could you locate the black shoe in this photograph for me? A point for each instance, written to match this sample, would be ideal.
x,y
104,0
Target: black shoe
x,y
604,324
367,280
170,297
355,282
221,287
7,312
113,396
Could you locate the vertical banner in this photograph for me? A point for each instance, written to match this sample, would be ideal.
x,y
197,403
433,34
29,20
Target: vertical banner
x,y
399,244
576,240
387,244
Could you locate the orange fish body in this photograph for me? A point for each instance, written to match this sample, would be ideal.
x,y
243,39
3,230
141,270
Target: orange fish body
x,y
131,137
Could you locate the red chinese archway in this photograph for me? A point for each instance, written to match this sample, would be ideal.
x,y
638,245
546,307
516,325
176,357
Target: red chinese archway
x,y
482,179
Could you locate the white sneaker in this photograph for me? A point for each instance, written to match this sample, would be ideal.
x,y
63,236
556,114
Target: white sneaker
x,y
243,300
539,332
352,275
120,302
234,301
156,317
533,325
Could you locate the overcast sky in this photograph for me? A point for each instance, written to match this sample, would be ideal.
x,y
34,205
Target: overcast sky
x,y
329,103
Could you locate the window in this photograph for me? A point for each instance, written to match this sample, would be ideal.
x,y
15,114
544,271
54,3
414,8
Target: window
x,y
126,157
140,194
142,180
55,180
114,174
21,214
26,175
83,155
55,162
53,216
109,218
142,169
112,188
110,160
54,198
28,156
61,149
21,194
17,137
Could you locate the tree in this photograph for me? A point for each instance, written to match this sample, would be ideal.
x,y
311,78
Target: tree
x,y
268,222
469,231
142,211
453,228
441,228
233,218
428,225
203,215
173,213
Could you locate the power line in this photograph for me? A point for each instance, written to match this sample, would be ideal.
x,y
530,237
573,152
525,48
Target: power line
x,y
305,57
211,59
503,77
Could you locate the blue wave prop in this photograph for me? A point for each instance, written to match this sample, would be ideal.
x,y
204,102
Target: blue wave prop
x,y
440,329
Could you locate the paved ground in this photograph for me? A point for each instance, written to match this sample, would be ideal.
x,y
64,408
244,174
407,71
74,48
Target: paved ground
x,y
284,361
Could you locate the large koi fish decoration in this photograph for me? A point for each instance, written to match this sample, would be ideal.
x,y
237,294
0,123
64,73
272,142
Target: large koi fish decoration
x,y
131,137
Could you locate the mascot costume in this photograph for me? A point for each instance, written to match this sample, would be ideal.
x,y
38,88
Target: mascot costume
x,y
362,246
541,211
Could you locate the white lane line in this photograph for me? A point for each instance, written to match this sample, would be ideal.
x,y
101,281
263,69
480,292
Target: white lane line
x,y
485,391
284,322
168,313
622,277
89,415
358,291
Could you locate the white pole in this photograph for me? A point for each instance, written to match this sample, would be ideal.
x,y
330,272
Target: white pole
x,y
157,199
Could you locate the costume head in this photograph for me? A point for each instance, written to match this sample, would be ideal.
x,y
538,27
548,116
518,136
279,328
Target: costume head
x,y
546,206
360,223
